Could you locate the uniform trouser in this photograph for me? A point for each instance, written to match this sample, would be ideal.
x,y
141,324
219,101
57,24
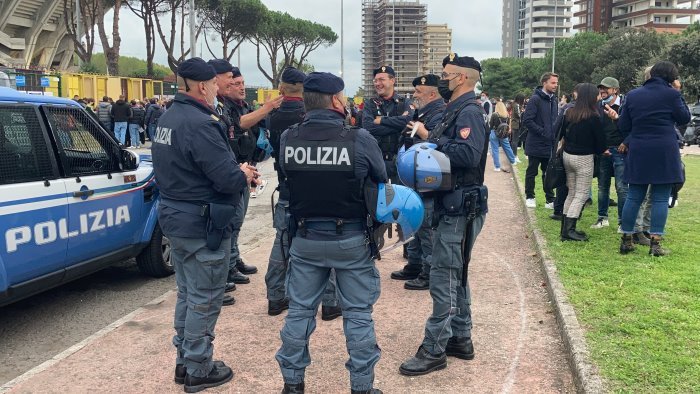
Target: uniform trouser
x,y
237,224
200,274
451,301
391,171
358,288
420,249
277,265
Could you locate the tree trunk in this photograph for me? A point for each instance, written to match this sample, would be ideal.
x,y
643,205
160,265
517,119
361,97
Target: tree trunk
x,y
111,51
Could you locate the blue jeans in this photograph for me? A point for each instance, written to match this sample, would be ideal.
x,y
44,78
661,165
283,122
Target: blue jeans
x,y
610,166
659,207
120,131
151,131
134,132
494,141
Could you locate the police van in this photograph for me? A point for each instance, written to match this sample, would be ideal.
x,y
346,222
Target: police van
x,y
71,200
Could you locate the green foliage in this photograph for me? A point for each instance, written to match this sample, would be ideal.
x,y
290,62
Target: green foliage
x,y
640,313
128,67
574,63
625,53
231,21
509,76
90,67
684,53
305,67
692,28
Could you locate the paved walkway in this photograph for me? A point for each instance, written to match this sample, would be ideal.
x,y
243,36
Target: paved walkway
x,y
515,335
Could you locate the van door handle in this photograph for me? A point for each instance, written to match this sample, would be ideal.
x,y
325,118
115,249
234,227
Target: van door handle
x,y
83,193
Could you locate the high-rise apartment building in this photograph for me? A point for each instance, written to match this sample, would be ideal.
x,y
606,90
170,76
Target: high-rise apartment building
x,y
437,43
668,15
531,26
393,34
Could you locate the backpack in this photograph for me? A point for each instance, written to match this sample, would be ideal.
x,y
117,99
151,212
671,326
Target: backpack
x,y
502,130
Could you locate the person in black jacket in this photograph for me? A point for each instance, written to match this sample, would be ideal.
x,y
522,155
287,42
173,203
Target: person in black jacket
x,y
136,123
583,138
153,113
121,112
539,118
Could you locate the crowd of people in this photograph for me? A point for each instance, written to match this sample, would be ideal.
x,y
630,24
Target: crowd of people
x,y
599,132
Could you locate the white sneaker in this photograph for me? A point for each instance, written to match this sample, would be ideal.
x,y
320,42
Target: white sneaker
x,y
515,163
549,205
602,222
517,160
619,230
530,203
253,194
260,188
497,169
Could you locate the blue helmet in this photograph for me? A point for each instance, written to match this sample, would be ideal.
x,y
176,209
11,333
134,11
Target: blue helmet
x,y
424,169
398,204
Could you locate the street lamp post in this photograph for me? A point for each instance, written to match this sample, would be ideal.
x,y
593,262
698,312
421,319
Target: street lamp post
x,y
193,34
342,59
554,39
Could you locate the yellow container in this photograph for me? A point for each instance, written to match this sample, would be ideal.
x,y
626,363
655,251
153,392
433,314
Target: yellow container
x,y
265,95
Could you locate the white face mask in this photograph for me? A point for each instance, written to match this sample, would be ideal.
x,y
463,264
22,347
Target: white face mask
x,y
212,102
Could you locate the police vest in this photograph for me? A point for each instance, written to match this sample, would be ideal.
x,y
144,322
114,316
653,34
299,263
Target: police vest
x,y
389,144
244,140
463,176
319,163
280,121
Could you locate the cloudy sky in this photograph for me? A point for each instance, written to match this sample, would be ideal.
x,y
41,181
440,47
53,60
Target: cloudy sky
x,y
476,31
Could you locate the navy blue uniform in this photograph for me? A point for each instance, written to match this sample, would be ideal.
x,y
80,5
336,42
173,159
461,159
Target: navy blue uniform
x,y
388,132
320,248
194,165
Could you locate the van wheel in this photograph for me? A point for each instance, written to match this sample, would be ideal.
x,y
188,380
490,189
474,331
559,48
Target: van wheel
x,y
154,260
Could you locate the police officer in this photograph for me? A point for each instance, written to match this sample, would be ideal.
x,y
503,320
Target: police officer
x,y
461,136
290,112
224,84
429,106
385,116
243,142
330,232
200,183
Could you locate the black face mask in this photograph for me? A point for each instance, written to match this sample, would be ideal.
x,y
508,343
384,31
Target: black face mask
x,y
444,89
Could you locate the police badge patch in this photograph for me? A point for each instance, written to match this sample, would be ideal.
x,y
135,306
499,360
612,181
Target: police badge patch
x,y
464,133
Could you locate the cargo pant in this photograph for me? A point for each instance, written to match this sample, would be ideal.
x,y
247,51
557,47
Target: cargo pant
x,y
237,224
277,266
420,249
200,274
451,314
358,288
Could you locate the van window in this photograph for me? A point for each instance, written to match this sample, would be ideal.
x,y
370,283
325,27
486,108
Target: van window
x,y
24,151
85,148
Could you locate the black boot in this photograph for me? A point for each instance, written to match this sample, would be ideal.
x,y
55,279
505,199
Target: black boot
x,y
181,371
329,313
422,282
406,273
246,269
569,231
228,300
423,363
235,276
626,244
274,308
655,248
218,376
293,388
370,391
460,347
556,216
229,287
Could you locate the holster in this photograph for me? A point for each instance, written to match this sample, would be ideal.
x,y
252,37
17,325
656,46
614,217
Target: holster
x,y
219,217
465,201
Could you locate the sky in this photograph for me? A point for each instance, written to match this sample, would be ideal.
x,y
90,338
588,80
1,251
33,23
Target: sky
x,y
476,32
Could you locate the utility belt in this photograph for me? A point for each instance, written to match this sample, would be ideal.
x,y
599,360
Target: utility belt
x,y
219,216
469,201
338,225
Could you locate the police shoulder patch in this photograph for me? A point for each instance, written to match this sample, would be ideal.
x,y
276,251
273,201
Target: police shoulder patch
x,y
464,132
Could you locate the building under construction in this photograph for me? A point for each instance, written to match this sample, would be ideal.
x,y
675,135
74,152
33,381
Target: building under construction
x,y
393,35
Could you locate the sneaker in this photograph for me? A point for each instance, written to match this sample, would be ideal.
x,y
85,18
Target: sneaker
x,y
602,222
253,194
549,205
497,169
260,188
517,160
530,203
515,163
619,229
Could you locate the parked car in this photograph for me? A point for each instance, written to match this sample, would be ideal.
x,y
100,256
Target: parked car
x,y
71,201
692,130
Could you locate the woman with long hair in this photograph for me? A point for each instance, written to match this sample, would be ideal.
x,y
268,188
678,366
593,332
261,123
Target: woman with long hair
x,y
649,116
582,138
515,123
500,132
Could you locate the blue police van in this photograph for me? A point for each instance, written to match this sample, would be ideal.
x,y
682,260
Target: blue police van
x,y
71,200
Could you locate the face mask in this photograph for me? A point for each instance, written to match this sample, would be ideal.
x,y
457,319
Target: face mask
x,y
444,89
216,102
483,98
608,100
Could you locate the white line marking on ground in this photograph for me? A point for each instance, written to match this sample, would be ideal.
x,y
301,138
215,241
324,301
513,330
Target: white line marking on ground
x,y
513,370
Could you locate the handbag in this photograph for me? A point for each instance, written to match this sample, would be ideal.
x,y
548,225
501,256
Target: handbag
x,y
555,175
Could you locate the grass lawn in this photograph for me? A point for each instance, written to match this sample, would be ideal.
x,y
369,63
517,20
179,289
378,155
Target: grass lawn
x,y
641,314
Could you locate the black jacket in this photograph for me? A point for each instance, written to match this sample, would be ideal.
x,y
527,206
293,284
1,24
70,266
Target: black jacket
x,y
153,112
539,118
121,111
137,116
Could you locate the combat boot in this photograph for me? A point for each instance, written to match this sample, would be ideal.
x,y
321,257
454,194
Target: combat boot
x,y
229,287
626,244
235,276
422,282
329,313
274,308
228,300
655,248
181,371
568,231
218,376
460,347
245,268
293,388
423,363
406,273
641,239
